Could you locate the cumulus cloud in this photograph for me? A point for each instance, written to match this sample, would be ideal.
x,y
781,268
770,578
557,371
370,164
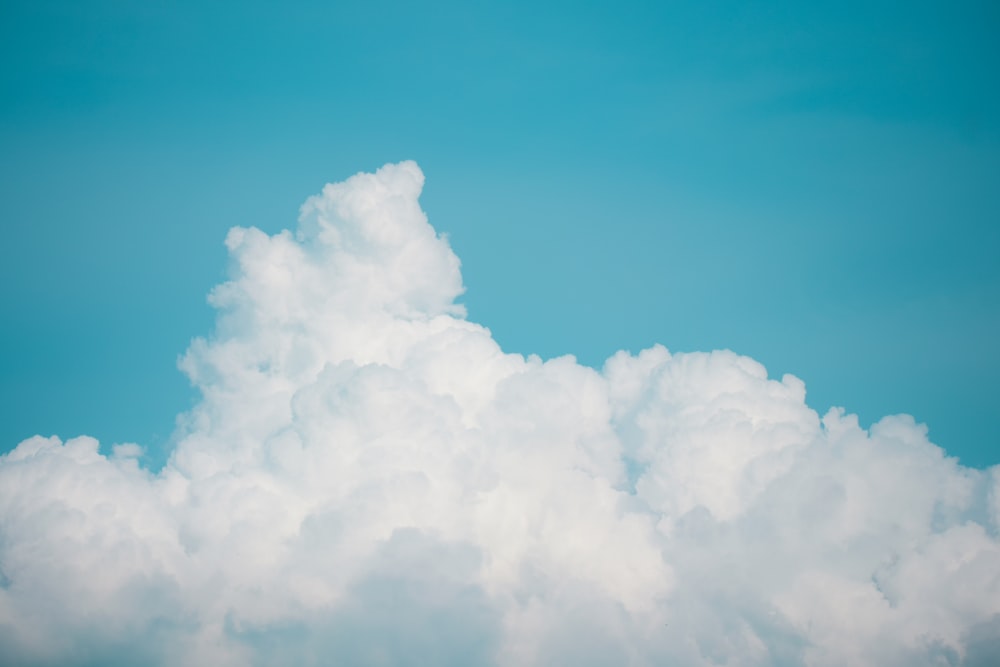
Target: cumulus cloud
x,y
368,479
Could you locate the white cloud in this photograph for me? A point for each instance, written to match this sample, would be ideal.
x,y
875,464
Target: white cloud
x,y
369,479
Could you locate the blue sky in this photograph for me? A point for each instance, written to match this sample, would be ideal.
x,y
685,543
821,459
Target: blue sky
x,y
359,473
815,187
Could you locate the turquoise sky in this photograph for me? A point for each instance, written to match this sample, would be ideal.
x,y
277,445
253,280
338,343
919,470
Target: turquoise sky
x,y
816,185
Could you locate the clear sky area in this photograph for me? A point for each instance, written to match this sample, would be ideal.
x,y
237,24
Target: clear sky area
x,y
814,185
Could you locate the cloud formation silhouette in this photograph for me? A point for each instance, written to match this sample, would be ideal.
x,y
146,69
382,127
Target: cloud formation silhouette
x,y
368,479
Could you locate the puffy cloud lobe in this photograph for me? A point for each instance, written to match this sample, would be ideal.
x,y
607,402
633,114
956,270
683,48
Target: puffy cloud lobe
x,y
369,479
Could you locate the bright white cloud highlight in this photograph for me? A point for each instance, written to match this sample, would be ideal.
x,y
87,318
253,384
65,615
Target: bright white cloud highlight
x,y
369,479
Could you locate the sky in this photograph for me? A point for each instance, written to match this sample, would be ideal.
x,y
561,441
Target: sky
x,y
767,235
810,186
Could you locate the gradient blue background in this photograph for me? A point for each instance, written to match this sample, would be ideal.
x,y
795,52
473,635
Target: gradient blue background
x,y
816,185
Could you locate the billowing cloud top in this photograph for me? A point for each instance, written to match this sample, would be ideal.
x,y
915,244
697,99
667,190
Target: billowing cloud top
x,y
368,479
